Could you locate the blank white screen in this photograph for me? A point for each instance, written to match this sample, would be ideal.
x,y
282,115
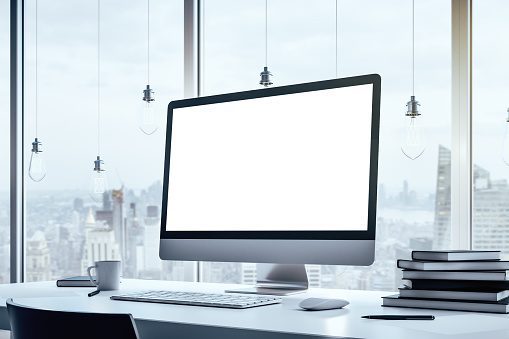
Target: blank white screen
x,y
297,162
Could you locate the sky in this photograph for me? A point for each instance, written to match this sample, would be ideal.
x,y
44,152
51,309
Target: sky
x,y
372,37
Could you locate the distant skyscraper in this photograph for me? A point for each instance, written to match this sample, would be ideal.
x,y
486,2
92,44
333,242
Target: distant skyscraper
x,y
151,244
78,204
117,197
64,243
106,216
153,212
442,227
404,194
38,264
90,221
107,201
99,244
482,179
491,213
134,244
155,193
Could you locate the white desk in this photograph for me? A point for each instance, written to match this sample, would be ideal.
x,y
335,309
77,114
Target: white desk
x,y
281,321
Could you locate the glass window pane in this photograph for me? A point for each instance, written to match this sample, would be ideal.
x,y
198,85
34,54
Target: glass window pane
x,y
414,196
66,231
4,141
489,124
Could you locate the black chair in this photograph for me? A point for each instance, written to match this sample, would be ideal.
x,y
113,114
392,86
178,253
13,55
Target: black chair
x,y
32,323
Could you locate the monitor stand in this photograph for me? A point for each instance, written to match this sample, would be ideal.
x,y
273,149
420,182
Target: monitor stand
x,y
278,279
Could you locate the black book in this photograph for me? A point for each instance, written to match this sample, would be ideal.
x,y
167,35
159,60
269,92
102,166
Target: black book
x,y
457,275
456,285
501,306
455,255
456,295
80,281
481,265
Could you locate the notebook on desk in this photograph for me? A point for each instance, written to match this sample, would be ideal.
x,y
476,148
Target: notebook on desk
x,y
78,281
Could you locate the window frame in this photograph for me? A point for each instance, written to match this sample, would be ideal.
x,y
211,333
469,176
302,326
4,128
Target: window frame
x,y
461,150
17,199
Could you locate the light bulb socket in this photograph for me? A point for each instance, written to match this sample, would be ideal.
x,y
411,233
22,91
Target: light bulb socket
x,y
148,94
97,164
265,80
36,146
412,107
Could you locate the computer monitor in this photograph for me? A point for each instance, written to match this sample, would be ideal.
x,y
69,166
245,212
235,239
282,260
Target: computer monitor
x,y
283,175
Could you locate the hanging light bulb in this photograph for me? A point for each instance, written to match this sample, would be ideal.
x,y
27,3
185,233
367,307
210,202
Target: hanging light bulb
x,y
265,80
37,168
148,123
505,145
147,120
98,182
414,142
265,74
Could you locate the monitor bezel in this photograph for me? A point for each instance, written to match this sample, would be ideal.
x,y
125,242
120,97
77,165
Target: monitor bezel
x,y
369,234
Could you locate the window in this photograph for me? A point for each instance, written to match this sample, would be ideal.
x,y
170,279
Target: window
x,y
490,229
414,196
76,231
66,228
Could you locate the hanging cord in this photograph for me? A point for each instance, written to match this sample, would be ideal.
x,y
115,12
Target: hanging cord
x,y
336,38
266,29
413,47
98,74
148,42
36,68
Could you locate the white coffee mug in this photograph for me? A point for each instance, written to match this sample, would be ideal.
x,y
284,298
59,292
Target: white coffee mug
x,y
107,273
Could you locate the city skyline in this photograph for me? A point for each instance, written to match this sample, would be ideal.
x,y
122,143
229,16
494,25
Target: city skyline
x,y
62,222
68,228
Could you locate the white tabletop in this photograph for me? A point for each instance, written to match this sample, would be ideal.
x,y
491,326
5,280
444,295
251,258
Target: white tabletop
x,y
274,321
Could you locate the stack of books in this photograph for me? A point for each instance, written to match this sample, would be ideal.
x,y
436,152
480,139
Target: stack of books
x,y
475,281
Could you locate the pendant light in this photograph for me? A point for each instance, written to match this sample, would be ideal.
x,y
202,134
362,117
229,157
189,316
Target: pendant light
x,y
98,182
414,142
147,119
265,74
37,167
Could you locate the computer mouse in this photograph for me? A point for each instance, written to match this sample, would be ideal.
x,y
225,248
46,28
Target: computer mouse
x,y
319,304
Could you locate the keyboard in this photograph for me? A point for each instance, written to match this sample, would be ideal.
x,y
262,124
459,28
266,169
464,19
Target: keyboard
x,y
228,300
